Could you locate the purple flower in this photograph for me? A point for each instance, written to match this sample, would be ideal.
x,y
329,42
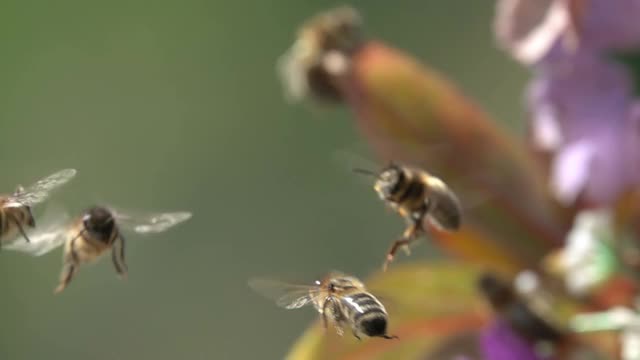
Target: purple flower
x,y
607,24
582,112
581,106
499,342
531,30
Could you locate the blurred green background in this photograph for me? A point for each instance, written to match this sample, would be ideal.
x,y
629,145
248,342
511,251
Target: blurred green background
x,y
175,105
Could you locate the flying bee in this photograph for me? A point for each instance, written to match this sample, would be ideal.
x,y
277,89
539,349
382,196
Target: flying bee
x,y
422,199
90,235
527,311
339,298
15,209
320,58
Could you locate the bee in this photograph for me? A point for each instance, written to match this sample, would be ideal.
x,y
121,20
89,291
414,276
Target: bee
x,y
15,209
90,235
320,58
422,199
527,313
339,298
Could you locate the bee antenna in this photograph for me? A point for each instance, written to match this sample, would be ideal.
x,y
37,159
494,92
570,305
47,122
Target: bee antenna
x,y
364,171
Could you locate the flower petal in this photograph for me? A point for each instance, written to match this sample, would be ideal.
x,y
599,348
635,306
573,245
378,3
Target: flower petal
x,y
581,113
609,24
530,29
570,171
500,342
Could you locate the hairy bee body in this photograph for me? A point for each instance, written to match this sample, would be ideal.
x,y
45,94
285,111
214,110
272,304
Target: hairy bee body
x,y
519,311
88,238
87,247
346,301
365,314
15,209
339,298
415,194
14,219
422,199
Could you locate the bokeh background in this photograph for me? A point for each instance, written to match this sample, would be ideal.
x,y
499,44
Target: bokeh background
x,y
175,105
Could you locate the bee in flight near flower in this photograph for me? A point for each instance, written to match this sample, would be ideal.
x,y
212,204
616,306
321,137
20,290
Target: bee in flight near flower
x,y
339,298
15,210
422,199
89,236
526,311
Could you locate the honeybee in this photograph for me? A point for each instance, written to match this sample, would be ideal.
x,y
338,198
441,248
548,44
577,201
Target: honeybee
x,y
320,58
15,209
422,199
528,313
89,236
340,298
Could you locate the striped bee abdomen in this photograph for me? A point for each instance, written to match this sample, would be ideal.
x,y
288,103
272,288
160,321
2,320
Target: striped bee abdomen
x,y
367,314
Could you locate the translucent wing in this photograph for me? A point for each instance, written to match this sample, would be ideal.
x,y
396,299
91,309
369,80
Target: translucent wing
x,y
288,296
150,222
39,191
445,210
51,234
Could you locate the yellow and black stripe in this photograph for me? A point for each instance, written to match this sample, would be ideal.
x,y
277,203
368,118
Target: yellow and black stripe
x,y
366,314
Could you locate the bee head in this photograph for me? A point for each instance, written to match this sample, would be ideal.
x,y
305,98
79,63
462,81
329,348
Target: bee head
x,y
99,221
389,181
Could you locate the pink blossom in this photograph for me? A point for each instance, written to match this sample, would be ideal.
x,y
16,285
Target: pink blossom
x,y
499,342
581,106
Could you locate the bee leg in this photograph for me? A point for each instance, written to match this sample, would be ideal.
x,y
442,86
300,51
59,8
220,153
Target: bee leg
x,y
22,232
356,335
65,277
390,337
403,242
410,233
117,256
325,305
71,262
339,329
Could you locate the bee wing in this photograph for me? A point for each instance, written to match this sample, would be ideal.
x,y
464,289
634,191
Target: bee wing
x,y
39,191
51,234
148,223
445,211
285,295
